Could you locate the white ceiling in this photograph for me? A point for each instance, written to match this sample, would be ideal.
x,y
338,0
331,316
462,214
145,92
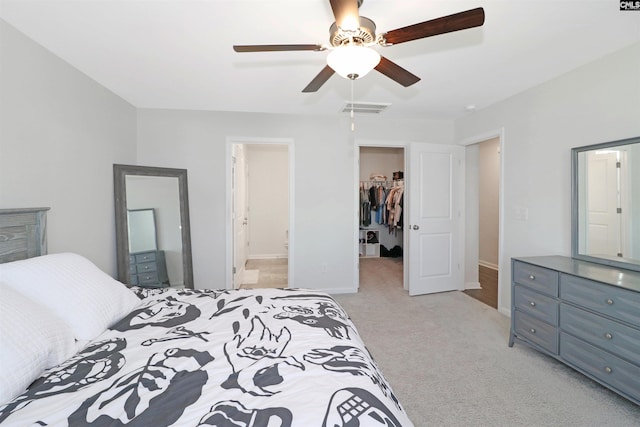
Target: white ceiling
x,y
178,53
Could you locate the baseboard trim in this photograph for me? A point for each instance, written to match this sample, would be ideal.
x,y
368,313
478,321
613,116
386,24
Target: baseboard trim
x,y
488,265
472,285
276,256
331,291
350,290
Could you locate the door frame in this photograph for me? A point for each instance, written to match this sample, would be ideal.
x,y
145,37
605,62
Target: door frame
x,y
503,265
357,143
229,226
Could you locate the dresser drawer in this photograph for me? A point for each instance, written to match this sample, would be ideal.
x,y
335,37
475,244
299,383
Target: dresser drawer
x,y
615,302
609,369
146,278
146,267
612,336
145,257
541,279
536,331
536,304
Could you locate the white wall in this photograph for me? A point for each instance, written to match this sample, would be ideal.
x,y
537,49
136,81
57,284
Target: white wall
x,y
595,103
268,188
380,160
324,188
60,134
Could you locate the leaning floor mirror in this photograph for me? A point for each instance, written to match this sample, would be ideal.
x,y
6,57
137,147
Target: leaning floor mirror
x,y
153,238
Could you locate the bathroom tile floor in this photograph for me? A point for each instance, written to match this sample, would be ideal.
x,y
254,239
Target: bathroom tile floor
x,y
272,273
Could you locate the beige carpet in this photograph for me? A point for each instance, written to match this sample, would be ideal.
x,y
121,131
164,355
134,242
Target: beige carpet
x,y
447,359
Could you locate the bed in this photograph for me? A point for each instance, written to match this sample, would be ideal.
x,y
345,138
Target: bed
x,y
102,354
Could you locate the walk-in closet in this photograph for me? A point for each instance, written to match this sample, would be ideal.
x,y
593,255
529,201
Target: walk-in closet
x,y
381,216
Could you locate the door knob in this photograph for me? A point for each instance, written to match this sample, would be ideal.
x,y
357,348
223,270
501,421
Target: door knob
x,y
416,227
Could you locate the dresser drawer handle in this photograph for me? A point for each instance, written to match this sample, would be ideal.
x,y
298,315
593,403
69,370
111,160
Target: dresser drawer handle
x,y
532,277
532,330
608,336
532,303
608,370
146,267
609,301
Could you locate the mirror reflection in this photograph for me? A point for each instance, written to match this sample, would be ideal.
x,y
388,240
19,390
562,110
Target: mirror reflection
x,y
152,226
607,177
141,225
155,201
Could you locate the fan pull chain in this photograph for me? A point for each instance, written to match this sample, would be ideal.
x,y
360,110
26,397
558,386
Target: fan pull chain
x,y
353,125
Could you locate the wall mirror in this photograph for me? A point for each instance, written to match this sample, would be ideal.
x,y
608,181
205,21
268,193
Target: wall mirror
x,y
153,238
606,203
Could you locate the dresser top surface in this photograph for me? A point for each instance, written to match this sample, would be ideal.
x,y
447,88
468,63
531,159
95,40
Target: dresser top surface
x,y
627,279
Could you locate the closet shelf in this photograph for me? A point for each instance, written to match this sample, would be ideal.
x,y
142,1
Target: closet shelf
x,y
369,243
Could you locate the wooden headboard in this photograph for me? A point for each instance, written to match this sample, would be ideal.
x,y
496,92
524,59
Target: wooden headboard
x,y
23,233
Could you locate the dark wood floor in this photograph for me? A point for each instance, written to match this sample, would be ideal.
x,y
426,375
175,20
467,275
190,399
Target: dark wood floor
x,y
489,282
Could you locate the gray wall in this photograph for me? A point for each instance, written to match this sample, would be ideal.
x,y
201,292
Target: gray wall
x,y
594,103
325,181
60,133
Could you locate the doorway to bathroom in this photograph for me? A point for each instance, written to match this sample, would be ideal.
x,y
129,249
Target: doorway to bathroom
x,y
260,204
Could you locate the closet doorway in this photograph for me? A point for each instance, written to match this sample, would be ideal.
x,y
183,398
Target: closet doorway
x,y
381,240
260,214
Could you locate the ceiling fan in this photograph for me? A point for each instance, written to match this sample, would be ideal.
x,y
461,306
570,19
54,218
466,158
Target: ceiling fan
x,y
352,37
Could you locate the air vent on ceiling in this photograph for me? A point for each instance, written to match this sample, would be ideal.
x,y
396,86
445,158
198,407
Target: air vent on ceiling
x,y
365,107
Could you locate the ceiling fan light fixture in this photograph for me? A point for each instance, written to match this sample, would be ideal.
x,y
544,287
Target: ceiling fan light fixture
x,y
353,61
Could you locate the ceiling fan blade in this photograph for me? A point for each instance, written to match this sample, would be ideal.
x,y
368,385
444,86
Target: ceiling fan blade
x,y
319,80
276,47
446,24
346,14
396,72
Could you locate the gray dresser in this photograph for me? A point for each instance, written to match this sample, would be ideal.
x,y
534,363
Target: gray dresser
x,y
584,314
148,269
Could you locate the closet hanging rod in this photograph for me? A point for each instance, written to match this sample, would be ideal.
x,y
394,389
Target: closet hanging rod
x,y
382,182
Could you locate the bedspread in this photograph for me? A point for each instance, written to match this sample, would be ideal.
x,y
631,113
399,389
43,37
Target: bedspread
x,y
251,358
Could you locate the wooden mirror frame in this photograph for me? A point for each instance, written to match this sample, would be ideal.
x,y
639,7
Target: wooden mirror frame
x,y
120,172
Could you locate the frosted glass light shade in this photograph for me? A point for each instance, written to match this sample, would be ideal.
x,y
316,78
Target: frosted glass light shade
x,y
352,61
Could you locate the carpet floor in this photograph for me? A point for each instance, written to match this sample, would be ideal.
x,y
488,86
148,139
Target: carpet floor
x,y
447,359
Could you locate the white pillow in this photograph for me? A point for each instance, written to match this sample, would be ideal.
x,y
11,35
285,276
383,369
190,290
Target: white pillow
x,y
73,288
32,339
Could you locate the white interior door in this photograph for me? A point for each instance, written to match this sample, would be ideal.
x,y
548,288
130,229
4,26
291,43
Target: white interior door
x,y
240,213
603,220
435,217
